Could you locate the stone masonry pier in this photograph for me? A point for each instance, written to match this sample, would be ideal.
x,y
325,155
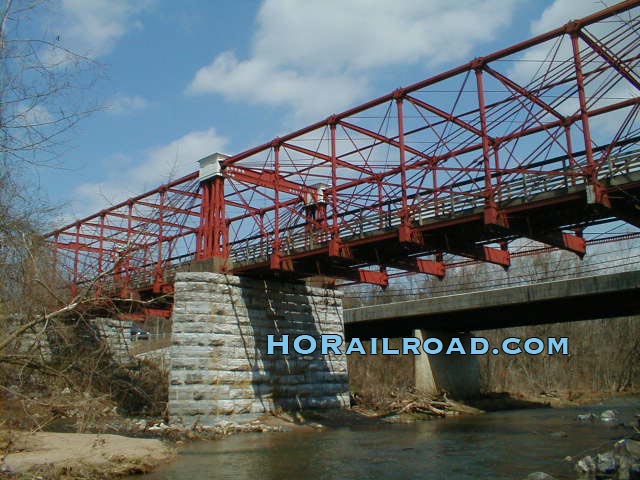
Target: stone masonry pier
x,y
219,360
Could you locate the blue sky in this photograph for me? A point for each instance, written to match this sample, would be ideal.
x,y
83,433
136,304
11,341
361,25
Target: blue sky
x,y
185,79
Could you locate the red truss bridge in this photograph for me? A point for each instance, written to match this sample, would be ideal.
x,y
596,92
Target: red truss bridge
x,y
538,140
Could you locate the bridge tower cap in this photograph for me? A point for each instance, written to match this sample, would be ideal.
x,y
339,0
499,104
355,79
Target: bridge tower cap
x,y
210,166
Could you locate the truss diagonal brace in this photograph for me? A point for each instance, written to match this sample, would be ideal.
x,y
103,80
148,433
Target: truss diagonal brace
x,y
445,115
523,91
383,139
327,158
609,57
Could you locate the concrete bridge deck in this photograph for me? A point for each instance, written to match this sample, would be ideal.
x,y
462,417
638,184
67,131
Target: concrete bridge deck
x,y
601,296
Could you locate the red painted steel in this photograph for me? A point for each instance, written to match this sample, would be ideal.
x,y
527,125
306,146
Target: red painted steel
x,y
373,277
574,243
460,163
430,267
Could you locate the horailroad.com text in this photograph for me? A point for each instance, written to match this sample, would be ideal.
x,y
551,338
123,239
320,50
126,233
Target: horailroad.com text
x,y
308,344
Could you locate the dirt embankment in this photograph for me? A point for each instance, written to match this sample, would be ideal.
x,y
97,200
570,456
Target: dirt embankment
x,y
76,455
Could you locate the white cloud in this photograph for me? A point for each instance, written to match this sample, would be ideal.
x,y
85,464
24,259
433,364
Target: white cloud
x,y
34,116
362,34
306,94
561,12
92,27
159,165
121,104
319,57
180,156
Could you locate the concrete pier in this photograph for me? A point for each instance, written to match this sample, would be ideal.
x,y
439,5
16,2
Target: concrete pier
x,y
219,360
456,374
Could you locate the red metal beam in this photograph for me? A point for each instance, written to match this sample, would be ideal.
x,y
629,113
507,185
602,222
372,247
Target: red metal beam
x,y
376,278
187,178
103,226
524,92
169,208
611,59
447,116
268,179
431,267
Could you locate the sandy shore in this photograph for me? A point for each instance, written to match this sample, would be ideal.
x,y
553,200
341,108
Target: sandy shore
x,y
81,455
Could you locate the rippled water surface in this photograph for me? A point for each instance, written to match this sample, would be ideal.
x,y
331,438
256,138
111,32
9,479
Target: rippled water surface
x,y
504,445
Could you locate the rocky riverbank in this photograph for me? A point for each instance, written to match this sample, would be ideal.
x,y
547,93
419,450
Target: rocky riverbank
x,y
126,446
619,462
113,450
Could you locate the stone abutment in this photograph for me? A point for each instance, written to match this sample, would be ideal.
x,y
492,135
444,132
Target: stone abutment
x,y
219,360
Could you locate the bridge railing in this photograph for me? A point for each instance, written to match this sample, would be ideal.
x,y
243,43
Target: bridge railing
x,y
525,188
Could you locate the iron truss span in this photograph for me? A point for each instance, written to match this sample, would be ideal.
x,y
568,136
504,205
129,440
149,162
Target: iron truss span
x,y
538,140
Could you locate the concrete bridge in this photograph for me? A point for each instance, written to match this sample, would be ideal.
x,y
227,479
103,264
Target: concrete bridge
x,y
586,298
455,316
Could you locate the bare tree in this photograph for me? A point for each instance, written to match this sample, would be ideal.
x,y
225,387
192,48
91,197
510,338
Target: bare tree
x,y
43,95
40,87
40,82
44,92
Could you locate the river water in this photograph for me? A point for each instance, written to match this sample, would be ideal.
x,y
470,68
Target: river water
x,y
501,445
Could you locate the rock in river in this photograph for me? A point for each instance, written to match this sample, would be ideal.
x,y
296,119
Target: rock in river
x,y
586,466
606,463
539,476
608,416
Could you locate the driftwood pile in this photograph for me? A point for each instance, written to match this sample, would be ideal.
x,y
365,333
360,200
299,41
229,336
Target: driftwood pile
x,y
441,406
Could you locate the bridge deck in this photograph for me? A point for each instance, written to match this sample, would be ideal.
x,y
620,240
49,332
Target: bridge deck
x,y
601,296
